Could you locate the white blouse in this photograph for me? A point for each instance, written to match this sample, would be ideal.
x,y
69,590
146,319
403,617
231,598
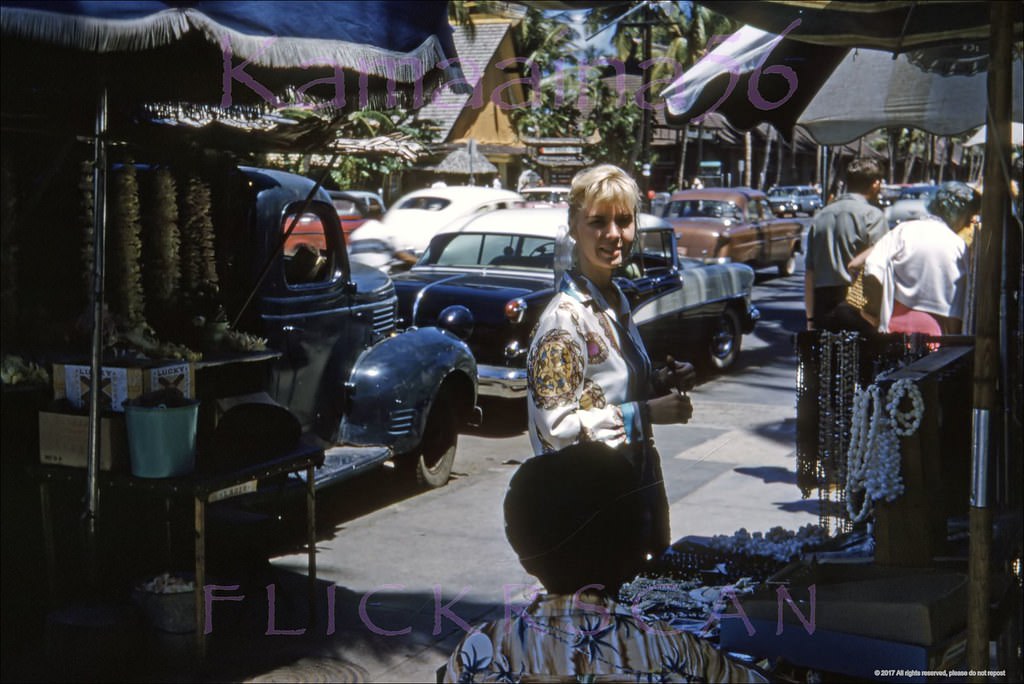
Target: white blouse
x,y
922,264
582,386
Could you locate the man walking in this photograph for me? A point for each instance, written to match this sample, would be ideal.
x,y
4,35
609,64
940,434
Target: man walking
x,y
838,233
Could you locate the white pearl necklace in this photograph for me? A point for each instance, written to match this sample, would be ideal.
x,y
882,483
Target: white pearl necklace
x,y
905,424
873,459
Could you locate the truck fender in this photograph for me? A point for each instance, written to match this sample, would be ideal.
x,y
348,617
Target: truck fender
x,y
393,385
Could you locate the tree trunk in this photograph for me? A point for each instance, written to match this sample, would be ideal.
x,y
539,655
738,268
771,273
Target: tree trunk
x,y
748,154
909,167
681,176
778,161
763,176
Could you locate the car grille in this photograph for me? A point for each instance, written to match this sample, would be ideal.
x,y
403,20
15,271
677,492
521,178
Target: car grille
x,y
384,318
400,421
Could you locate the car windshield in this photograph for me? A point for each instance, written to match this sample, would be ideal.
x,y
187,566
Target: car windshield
x,y
782,192
425,202
702,208
919,193
502,250
546,195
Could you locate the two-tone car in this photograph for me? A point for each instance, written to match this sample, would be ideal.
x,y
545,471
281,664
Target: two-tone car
x,y
500,266
736,224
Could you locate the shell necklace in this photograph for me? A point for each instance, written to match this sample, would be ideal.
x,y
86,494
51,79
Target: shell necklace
x,y
874,453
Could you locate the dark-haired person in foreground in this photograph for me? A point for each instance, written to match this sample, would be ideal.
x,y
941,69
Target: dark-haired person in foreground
x,y
572,518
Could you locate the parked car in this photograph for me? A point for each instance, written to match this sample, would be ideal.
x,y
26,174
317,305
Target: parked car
x,y
912,203
550,196
356,207
733,223
343,371
888,195
790,200
500,266
404,232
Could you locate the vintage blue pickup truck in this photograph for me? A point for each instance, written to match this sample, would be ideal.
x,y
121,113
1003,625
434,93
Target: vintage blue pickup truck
x,y
344,370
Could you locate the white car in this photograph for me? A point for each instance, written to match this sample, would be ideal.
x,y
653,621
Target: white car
x,y
415,218
547,196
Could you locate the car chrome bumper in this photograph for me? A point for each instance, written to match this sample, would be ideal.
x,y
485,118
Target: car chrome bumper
x,y
501,381
753,316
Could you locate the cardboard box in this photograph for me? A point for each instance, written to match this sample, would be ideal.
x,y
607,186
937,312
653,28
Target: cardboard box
x,y
922,606
843,653
64,439
121,382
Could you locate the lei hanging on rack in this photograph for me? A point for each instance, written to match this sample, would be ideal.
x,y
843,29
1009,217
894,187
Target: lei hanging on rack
x,y
873,464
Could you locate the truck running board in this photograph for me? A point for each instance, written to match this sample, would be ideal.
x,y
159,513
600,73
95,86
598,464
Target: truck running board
x,y
343,462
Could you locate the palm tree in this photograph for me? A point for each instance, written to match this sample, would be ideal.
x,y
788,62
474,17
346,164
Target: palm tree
x,y
679,40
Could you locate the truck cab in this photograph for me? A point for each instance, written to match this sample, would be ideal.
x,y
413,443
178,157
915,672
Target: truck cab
x,y
344,370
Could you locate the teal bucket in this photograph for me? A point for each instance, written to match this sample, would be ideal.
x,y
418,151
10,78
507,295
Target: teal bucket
x,y
162,440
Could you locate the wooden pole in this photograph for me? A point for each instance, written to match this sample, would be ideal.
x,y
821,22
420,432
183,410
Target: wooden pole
x,y
987,357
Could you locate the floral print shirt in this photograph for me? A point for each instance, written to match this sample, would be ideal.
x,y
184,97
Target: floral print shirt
x,y
587,371
592,638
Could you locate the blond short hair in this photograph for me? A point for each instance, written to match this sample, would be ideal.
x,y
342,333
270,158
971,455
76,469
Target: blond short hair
x,y
602,183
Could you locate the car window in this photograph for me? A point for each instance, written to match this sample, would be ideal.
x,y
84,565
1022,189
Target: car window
x,y
761,210
701,209
501,250
307,258
495,246
918,193
461,250
426,203
345,207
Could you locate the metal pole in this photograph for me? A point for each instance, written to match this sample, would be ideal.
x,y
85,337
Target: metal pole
x,y
99,192
645,109
987,356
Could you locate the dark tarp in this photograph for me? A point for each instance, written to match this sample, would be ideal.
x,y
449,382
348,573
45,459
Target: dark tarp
x,y
246,57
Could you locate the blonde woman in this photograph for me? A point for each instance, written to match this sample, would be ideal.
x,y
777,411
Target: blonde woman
x,y
589,376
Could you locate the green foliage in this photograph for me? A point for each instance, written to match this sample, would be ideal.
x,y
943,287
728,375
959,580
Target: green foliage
x,y
569,105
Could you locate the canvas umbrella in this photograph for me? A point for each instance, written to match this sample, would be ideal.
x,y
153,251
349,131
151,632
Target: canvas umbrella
x,y
992,27
466,161
1016,136
88,68
834,93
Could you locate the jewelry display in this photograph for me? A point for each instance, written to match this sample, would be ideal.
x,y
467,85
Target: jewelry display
x,y
874,453
905,424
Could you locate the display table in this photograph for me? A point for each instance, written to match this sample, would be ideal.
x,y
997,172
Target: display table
x,y
203,489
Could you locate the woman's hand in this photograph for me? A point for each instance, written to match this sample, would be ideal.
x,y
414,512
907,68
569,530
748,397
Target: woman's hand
x,y
672,408
677,375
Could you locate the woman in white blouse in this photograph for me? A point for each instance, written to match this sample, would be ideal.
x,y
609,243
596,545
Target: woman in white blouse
x,y
589,375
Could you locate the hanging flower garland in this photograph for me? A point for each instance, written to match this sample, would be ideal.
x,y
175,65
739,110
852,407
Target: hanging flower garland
x,y
874,455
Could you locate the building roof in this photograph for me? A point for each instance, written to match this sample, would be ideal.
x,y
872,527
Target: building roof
x,y
475,55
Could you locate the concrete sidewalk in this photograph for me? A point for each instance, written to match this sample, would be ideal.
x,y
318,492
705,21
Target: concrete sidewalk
x,y
399,585
734,477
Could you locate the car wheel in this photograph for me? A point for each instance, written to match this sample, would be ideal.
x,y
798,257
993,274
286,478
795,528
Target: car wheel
x,y
787,267
724,343
431,464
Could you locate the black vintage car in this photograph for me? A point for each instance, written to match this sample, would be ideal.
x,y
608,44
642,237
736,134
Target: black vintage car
x,y
344,370
500,266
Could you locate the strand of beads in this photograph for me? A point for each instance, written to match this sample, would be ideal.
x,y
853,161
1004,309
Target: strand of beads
x,y
874,454
905,424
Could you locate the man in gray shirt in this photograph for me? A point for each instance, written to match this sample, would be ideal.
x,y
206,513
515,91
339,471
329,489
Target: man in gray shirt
x,y
838,233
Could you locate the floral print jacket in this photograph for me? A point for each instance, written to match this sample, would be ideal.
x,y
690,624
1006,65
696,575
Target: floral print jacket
x,y
588,637
587,371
